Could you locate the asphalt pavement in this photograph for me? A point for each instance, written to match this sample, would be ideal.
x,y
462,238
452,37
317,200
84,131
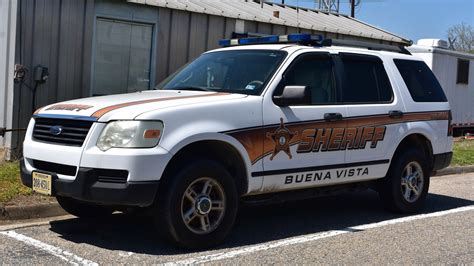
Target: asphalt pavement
x,y
346,229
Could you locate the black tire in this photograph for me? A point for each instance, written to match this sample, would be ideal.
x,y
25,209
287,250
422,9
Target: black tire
x,y
390,190
168,214
82,209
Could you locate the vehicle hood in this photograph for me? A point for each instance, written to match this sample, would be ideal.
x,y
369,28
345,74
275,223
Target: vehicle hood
x,y
131,105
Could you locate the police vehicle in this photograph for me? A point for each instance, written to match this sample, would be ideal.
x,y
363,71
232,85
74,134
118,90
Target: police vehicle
x,y
262,119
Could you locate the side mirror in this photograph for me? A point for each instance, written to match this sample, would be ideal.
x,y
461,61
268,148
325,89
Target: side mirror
x,y
293,95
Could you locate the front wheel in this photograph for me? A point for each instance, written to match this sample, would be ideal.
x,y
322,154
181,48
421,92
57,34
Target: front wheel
x,y
198,205
406,185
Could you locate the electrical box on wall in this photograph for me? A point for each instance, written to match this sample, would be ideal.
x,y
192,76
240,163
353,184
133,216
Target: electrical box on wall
x,y
41,74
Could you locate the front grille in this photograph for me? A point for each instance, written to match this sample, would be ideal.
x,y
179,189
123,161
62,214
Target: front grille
x,y
112,176
57,168
73,132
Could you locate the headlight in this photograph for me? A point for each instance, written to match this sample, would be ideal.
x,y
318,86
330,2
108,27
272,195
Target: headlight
x,y
130,134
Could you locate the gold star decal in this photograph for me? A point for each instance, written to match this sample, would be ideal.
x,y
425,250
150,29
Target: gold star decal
x,y
281,138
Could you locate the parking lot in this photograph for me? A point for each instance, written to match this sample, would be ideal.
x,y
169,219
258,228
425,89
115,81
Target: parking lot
x,y
350,228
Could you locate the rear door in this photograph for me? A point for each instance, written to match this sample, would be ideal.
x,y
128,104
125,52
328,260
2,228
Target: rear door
x,y
374,112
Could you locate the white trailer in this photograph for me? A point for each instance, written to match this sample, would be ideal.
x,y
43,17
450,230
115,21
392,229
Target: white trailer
x,y
455,73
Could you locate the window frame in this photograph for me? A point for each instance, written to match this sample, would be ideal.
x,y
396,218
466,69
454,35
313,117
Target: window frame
x,y
122,19
298,59
363,57
459,63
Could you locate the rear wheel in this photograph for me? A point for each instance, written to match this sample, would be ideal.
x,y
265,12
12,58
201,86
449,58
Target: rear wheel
x,y
406,185
197,205
82,209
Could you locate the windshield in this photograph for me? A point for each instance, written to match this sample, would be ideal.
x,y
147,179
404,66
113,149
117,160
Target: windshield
x,y
237,71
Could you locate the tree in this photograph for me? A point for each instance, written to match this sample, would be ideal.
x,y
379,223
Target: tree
x,y
462,37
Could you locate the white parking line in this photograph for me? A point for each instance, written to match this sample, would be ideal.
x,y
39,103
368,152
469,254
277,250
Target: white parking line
x,y
55,251
313,237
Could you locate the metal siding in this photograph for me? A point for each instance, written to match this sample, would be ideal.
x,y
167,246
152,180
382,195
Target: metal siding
x,y
250,26
55,34
229,27
264,28
215,31
163,44
197,35
278,29
179,39
88,36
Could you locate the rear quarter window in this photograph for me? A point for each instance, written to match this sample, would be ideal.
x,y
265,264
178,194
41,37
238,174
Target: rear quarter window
x,y
420,81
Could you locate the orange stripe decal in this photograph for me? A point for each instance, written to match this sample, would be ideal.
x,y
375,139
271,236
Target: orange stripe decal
x,y
258,145
99,113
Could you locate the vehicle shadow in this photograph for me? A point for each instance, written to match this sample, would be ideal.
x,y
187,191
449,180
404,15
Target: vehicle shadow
x,y
254,224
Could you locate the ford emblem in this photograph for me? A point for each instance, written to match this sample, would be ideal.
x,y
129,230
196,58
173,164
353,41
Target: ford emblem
x,y
56,130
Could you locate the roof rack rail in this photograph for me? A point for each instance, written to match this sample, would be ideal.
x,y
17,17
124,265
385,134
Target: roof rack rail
x,y
368,45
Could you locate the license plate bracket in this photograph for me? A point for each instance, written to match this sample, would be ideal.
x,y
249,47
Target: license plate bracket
x,y
42,183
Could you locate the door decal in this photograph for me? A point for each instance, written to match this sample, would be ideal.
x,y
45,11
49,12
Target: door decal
x,y
281,139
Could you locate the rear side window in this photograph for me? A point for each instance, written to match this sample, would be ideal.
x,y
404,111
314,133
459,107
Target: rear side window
x,y
365,80
421,82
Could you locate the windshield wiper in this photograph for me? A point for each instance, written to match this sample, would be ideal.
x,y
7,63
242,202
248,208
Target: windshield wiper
x,y
189,88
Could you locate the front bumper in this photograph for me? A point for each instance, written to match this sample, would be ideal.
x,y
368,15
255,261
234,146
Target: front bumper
x,y
86,187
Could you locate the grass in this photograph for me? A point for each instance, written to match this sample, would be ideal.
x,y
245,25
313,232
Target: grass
x,y
10,184
463,153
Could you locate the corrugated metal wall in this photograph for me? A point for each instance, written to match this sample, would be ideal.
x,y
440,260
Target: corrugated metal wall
x,y
58,35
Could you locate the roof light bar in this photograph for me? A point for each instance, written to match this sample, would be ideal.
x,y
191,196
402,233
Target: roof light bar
x,y
273,39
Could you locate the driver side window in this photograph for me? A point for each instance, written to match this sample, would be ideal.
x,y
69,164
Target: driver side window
x,y
316,72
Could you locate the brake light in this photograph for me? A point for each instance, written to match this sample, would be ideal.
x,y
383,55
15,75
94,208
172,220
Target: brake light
x,y
450,124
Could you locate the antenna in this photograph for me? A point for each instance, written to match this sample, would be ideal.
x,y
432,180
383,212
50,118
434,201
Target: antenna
x,y
451,43
329,5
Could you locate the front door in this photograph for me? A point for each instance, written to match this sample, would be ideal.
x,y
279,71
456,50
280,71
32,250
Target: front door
x,y
301,147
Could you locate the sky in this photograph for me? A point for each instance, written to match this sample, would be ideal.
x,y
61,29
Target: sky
x,y
412,19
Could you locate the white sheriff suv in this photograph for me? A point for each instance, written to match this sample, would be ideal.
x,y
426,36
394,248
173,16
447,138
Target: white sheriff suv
x,y
262,119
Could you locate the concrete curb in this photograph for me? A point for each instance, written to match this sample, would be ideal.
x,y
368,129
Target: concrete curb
x,y
455,170
31,211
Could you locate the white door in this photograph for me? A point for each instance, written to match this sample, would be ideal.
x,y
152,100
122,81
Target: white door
x,y
374,112
301,147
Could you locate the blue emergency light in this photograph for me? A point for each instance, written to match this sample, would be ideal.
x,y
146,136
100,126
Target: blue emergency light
x,y
274,39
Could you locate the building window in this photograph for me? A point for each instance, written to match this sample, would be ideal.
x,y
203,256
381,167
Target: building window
x,y
122,57
463,72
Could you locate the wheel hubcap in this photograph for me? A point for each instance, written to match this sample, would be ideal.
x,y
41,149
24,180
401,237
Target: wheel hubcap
x,y
412,181
203,205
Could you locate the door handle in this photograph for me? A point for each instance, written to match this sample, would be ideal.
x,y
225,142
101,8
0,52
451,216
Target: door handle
x,y
332,117
395,114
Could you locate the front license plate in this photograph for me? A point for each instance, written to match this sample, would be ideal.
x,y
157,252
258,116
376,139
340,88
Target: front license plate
x,y
42,183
